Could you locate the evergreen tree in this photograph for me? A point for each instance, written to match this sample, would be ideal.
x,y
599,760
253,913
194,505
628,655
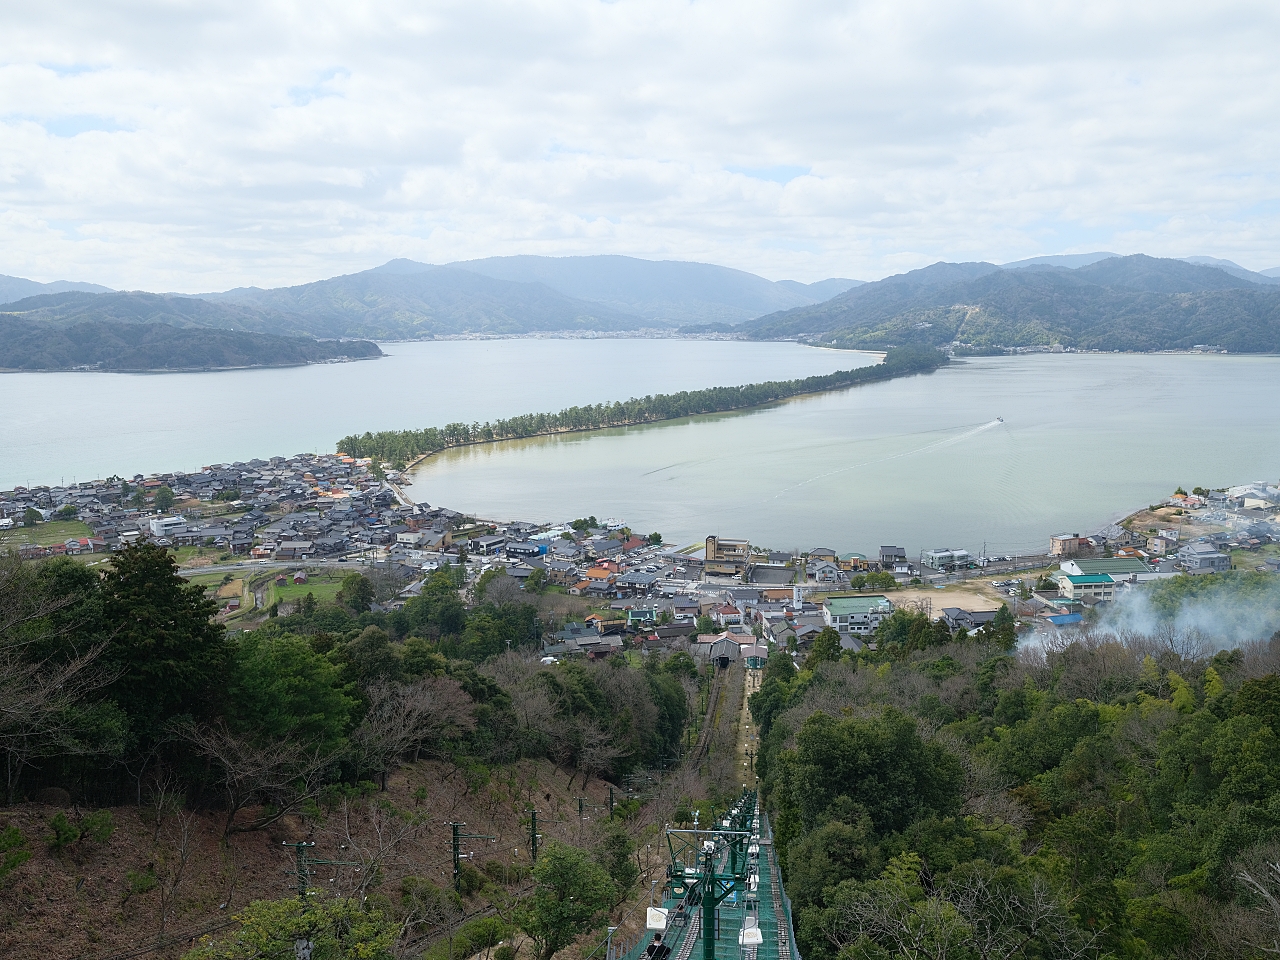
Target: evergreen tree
x,y
171,659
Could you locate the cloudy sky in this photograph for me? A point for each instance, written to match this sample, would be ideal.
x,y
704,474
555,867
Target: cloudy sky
x,y
200,145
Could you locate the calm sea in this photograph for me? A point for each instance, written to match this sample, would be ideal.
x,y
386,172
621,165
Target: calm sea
x,y
919,462
60,427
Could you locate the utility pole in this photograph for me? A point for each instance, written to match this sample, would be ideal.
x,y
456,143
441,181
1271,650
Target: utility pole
x,y
458,837
533,835
611,801
303,863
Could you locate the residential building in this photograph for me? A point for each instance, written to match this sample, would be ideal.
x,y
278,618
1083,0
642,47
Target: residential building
x,y
854,617
824,571
890,555
1069,545
970,620
167,526
726,557
942,558
1203,558
1097,586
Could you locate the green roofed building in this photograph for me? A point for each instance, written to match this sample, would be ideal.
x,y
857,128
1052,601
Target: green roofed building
x,y
855,616
1122,567
1098,586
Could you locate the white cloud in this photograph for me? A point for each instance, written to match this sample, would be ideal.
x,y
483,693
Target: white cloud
x,y
194,146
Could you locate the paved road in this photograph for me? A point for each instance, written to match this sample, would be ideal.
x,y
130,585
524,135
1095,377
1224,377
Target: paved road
x,y
253,566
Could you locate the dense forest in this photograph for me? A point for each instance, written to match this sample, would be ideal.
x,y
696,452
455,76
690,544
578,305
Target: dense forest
x,y
103,345
107,676
404,445
121,689
1082,795
1133,303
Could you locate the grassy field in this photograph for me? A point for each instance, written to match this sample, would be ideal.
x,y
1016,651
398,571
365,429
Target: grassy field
x,y
323,586
52,531
230,590
206,580
195,557
1249,559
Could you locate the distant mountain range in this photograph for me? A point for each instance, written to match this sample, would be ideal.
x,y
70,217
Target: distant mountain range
x,y
16,288
1111,303
1097,300
404,299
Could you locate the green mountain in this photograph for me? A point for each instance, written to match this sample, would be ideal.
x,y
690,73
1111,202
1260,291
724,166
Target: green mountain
x,y
63,309
27,344
1119,303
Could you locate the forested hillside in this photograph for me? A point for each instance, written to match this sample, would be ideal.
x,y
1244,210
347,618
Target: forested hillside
x,y
386,305
1094,796
365,732
26,345
1123,303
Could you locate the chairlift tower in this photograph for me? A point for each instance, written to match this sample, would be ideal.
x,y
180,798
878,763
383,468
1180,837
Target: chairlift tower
x,y
303,864
714,861
458,837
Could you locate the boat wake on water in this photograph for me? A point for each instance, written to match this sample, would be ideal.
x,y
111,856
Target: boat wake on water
x,y
969,432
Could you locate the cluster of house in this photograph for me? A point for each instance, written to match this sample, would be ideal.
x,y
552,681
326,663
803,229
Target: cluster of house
x,y
331,505
313,507
658,598
746,623
1251,516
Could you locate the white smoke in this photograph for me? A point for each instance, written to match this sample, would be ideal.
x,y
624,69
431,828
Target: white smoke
x,y
1227,620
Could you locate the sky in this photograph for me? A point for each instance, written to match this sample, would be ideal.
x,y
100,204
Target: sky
x,y
195,146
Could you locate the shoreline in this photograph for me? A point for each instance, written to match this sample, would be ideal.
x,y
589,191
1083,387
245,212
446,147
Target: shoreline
x,y
568,431
164,370
874,373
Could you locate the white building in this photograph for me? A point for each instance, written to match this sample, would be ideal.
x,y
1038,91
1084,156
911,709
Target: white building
x,y
940,558
168,526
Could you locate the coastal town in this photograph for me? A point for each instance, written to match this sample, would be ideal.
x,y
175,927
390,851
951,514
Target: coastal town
x,y
259,534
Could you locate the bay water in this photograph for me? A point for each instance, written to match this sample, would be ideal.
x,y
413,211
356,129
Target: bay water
x,y
58,427
992,454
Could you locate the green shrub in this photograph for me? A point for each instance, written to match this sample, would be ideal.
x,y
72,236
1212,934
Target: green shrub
x,y
422,892
477,776
98,826
505,952
139,882
470,880
470,938
64,833
12,851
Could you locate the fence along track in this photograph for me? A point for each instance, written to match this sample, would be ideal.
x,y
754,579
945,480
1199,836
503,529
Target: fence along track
x,y
708,723
786,951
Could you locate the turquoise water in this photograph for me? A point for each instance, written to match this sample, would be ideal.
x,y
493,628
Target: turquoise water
x,y
920,462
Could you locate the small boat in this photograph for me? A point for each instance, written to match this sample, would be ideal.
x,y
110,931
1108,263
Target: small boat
x,y
999,419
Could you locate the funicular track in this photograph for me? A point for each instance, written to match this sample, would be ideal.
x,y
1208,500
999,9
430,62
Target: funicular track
x,y
732,865
699,752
